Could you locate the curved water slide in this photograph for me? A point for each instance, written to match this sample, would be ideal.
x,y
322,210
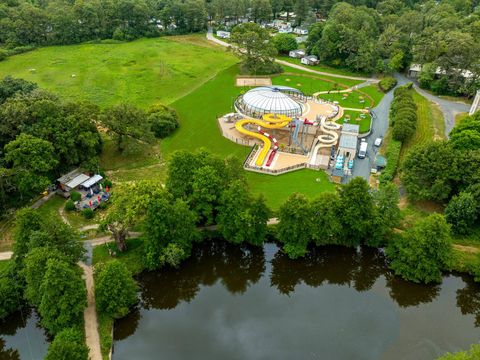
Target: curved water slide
x,y
327,139
269,121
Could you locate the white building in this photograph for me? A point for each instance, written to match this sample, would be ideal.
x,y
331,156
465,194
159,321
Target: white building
x,y
300,31
223,34
310,60
415,69
297,54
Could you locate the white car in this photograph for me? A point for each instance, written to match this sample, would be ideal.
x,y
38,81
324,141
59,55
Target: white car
x,y
378,141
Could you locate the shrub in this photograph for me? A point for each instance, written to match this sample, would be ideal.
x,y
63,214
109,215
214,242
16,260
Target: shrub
x,y
403,114
392,154
403,129
107,182
88,213
75,196
387,84
102,205
70,205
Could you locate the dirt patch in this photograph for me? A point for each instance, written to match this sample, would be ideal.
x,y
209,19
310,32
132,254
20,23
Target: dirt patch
x,y
467,249
251,81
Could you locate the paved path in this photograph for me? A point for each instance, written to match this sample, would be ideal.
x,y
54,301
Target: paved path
x,y
92,339
450,109
212,38
379,129
6,255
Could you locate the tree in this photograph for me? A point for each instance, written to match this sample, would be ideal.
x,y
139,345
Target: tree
x,y
115,289
423,251
461,213
64,297
27,221
472,354
163,120
205,197
68,345
169,231
128,126
240,217
32,159
10,291
326,226
293,229
34,272
387,214
301,10
254,48
261,11
430,170
130,204
10,86
284,43
357,212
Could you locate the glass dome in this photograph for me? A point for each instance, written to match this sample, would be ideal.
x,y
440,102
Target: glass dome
x,y
270,100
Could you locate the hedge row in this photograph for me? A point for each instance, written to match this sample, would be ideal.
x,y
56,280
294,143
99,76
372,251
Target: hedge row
x,y
392,154
387,84
4,53
403,114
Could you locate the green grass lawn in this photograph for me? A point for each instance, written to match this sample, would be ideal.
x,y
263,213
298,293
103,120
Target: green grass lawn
x,y
430,124
373,90
277,189
322,67
141,72
307,84
356,119
132,257
347,82
348,100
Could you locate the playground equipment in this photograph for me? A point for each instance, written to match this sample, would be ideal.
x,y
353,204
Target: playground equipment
x,y
327,139
269,121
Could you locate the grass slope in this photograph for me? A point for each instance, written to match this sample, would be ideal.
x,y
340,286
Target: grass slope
x,y
142,72
430,124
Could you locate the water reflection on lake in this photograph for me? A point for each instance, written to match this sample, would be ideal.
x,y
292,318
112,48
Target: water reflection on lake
x,y
229,302
21,338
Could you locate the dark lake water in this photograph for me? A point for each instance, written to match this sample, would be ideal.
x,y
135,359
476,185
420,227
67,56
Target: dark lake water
x,y
22,338
234,303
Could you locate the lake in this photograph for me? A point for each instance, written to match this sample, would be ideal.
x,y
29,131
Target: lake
x,y
231,302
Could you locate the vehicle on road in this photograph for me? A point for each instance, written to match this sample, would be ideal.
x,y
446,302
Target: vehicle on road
x,y
362,152
378,141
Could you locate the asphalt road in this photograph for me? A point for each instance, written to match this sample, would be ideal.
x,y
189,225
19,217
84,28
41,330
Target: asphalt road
x,y
379,129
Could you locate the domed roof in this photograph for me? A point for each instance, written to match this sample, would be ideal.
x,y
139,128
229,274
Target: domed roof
x,y
275,99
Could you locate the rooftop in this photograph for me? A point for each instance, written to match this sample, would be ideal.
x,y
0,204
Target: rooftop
x,y
348,141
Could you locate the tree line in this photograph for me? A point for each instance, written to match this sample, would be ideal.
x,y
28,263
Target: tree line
x,y
447,172
42,136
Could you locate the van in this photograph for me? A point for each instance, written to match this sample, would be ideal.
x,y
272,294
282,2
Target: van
x,y
362,152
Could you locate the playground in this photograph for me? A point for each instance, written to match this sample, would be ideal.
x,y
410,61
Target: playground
x,y
288,130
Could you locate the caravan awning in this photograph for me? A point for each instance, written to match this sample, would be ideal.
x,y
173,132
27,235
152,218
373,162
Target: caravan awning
x,y
77,180
92,181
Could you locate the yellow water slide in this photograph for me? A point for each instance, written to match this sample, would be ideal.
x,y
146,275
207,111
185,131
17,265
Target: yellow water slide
x,y
269,121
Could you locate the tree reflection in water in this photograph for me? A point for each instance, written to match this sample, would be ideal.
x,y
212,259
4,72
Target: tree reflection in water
x,y
237,267
9,326
468,299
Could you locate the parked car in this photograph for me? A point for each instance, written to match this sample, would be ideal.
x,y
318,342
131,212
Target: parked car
x,y
378,142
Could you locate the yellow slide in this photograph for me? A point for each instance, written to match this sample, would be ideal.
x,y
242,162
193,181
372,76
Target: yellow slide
x,y
270,121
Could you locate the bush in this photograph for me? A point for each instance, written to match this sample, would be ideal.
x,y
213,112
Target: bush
x,y
88,213
403,129
106,183
472,354
70,205
393,155
387,84
403,114
75,196
68,344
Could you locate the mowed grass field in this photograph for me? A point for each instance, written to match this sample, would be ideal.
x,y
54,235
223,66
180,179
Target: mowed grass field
x,y
141,72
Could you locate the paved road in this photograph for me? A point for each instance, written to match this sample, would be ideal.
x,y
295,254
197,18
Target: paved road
x,y
379,129
450,109
212,38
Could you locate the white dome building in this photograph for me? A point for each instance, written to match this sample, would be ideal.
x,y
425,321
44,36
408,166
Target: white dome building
x,y
271,100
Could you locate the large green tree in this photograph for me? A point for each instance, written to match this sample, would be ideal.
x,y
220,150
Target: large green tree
x,y
326,226
68,344
423,251
64,297
115,289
